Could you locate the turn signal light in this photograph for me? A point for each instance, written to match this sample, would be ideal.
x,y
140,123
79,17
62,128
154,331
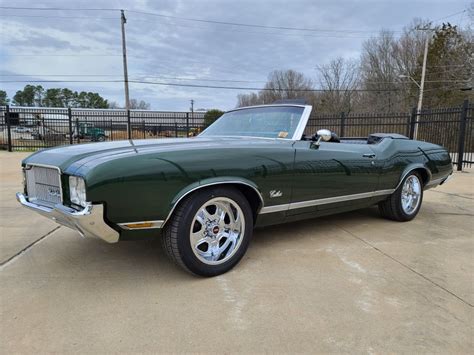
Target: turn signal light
x,y
140,225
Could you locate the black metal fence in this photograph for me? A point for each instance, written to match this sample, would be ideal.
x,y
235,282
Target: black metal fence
x,y
31,128
451,128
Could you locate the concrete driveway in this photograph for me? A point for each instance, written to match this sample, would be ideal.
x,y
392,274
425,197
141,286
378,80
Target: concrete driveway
x,y
351,283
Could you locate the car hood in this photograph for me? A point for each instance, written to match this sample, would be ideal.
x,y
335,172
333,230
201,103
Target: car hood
x,y
74,156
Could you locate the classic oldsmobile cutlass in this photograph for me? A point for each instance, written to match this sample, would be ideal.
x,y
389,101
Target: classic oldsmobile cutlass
x,y
203,196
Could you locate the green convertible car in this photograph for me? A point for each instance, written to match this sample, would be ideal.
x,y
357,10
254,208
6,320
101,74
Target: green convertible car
x,y
203,196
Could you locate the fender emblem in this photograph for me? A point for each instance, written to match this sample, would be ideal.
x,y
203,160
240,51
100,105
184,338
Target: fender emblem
x,y
275,193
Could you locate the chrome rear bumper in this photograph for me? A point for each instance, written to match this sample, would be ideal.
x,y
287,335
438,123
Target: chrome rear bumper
x,y
89,222
437,182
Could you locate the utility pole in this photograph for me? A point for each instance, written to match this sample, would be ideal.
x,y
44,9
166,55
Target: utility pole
x,y
192,108
422,82
123,21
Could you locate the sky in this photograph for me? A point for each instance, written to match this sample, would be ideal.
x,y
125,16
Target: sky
x,y
85,45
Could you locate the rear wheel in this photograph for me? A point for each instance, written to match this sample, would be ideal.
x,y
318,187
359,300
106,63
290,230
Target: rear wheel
x,y
404,204
210,231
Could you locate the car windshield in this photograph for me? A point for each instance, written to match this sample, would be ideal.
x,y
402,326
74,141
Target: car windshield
x,y
265,122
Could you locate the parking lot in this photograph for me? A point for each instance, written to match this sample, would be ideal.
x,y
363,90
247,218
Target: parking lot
x,y
350,283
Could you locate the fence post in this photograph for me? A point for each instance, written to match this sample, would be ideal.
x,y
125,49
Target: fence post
x,y
129,127
69,115
343,124
413,122
187,124
78,132
462,134
176,129
9,131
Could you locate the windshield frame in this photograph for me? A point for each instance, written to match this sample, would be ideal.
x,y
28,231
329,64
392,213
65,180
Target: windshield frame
x,y
297,135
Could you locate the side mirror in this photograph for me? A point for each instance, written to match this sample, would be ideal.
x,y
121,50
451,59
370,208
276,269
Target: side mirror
x,y
324,134
321,135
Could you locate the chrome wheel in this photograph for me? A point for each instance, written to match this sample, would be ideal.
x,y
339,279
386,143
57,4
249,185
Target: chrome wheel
x,y
411,194
217,230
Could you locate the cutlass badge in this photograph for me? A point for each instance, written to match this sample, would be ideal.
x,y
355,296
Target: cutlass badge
x,y
275,193
54,192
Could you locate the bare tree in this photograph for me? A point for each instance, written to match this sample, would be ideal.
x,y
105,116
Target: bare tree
x,y
388,63
286,84
339,79
248,99
134,105
281,84
408,49
379,72
139,105
114,105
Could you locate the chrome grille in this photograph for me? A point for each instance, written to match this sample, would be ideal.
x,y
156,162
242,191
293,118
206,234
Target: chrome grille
x,y
43,185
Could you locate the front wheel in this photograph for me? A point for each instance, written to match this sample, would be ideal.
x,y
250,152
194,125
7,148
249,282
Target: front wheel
x,y
209,231
404,204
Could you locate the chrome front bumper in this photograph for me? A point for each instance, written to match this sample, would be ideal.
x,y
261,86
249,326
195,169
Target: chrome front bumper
x,y
89,222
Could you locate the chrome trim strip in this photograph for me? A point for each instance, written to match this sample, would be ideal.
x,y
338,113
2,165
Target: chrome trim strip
x,y
408,172
248,137
276,208
383,192
440,181
267,105
89,222
450,176
303,122
211,184
156,224
324,201
436,182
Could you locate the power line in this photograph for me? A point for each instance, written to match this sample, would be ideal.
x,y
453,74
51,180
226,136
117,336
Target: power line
x,y
217,66
134,75
227,23
188,85
206,79
33,75
57,8
60,55
65,17
210,86
247,24
61,81
448,16
444,66
340,31
324,35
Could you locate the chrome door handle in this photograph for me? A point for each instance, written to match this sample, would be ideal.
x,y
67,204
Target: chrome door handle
x,y
369,155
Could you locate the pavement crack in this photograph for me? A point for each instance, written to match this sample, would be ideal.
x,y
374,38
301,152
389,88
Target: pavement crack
x,y
29,246
456,214
451,194
407,267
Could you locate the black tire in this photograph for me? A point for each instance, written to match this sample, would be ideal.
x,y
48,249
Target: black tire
x,y
392,208
100,138
176,234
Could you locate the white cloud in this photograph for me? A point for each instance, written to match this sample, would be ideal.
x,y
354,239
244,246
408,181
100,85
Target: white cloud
x,y
160,48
